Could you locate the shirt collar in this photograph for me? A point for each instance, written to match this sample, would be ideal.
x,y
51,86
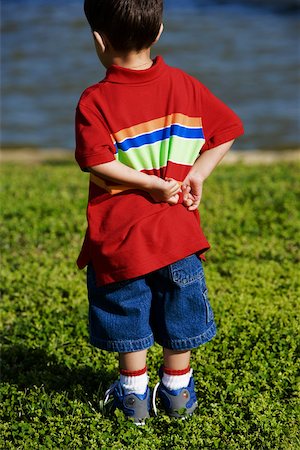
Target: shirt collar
x,y
117,74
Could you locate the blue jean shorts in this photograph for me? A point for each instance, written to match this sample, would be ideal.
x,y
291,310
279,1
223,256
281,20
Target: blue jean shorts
x,y
169,306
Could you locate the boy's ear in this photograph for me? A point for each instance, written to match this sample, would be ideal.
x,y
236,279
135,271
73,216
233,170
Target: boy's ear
x,y
161,29
99,41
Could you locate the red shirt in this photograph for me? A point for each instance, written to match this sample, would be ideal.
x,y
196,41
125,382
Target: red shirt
x,y
157,121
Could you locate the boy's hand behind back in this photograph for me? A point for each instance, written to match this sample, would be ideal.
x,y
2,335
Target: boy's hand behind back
x,y
160,190
202,168
164,190
192,193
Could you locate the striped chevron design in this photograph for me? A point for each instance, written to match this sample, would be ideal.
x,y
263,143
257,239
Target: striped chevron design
x,y
151,145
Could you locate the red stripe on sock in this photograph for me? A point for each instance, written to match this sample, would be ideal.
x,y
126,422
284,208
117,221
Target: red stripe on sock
x,y
176,372
133,373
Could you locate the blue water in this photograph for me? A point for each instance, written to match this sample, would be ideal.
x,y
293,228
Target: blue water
x,y
247,55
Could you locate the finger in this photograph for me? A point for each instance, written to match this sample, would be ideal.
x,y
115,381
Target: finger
x,y
196,189
194,206
173,200
173,185
174,190
187,202
173,182
188,197
186,188
185,191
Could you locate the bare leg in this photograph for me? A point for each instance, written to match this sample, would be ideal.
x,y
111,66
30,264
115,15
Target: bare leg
x,y
133,360
176,359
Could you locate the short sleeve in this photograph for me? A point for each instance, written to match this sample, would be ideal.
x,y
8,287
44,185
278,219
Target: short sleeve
x,y
93,142
220,123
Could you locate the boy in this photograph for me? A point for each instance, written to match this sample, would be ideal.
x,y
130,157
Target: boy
x,y
139,132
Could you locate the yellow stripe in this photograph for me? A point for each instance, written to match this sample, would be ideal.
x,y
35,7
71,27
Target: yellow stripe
x,y
157,155
156,124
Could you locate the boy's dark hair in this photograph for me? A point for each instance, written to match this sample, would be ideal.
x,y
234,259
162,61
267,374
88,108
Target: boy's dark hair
x,y
127,24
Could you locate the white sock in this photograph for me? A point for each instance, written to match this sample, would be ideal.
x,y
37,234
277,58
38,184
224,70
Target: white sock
x,y
132,383
173,382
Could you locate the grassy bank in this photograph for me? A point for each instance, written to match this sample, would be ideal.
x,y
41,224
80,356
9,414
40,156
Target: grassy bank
x,y
53,380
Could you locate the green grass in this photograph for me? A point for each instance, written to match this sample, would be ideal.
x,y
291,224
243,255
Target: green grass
x,y
53,380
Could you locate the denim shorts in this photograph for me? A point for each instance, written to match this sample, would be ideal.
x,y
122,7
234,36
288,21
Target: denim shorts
x,y
169,306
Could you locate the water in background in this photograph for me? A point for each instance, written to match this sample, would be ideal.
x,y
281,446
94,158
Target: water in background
x,y
248,56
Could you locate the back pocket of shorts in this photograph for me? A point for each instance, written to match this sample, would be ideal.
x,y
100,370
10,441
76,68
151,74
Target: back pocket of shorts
x,y
186,271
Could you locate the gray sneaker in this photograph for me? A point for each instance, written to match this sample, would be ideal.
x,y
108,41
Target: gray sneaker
x,y
179,403
134,406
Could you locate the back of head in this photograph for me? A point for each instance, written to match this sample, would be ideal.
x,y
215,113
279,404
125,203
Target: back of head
x,y
127,24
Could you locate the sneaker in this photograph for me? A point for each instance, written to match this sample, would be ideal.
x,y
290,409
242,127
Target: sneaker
x,y
134,406
179,403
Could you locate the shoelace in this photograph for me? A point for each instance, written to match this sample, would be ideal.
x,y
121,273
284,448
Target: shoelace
x,y
155,394
109,391
154,398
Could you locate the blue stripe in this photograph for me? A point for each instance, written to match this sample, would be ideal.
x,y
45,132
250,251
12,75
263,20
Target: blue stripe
x,y
160,135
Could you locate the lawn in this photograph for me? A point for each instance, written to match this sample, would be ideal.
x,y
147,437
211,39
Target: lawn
x,y
52,379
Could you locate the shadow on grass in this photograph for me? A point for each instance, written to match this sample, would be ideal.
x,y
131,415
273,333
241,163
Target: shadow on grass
x,y
27,367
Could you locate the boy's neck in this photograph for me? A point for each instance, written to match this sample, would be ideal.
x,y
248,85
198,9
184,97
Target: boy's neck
x,y
134,60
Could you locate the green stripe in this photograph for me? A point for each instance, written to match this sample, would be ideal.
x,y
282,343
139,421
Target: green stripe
x,y
154,156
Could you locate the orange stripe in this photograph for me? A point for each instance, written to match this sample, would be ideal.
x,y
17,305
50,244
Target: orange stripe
x,y
156,124
110,189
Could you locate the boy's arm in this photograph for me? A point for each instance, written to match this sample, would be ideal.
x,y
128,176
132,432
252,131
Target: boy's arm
x,y
159,189
202,168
